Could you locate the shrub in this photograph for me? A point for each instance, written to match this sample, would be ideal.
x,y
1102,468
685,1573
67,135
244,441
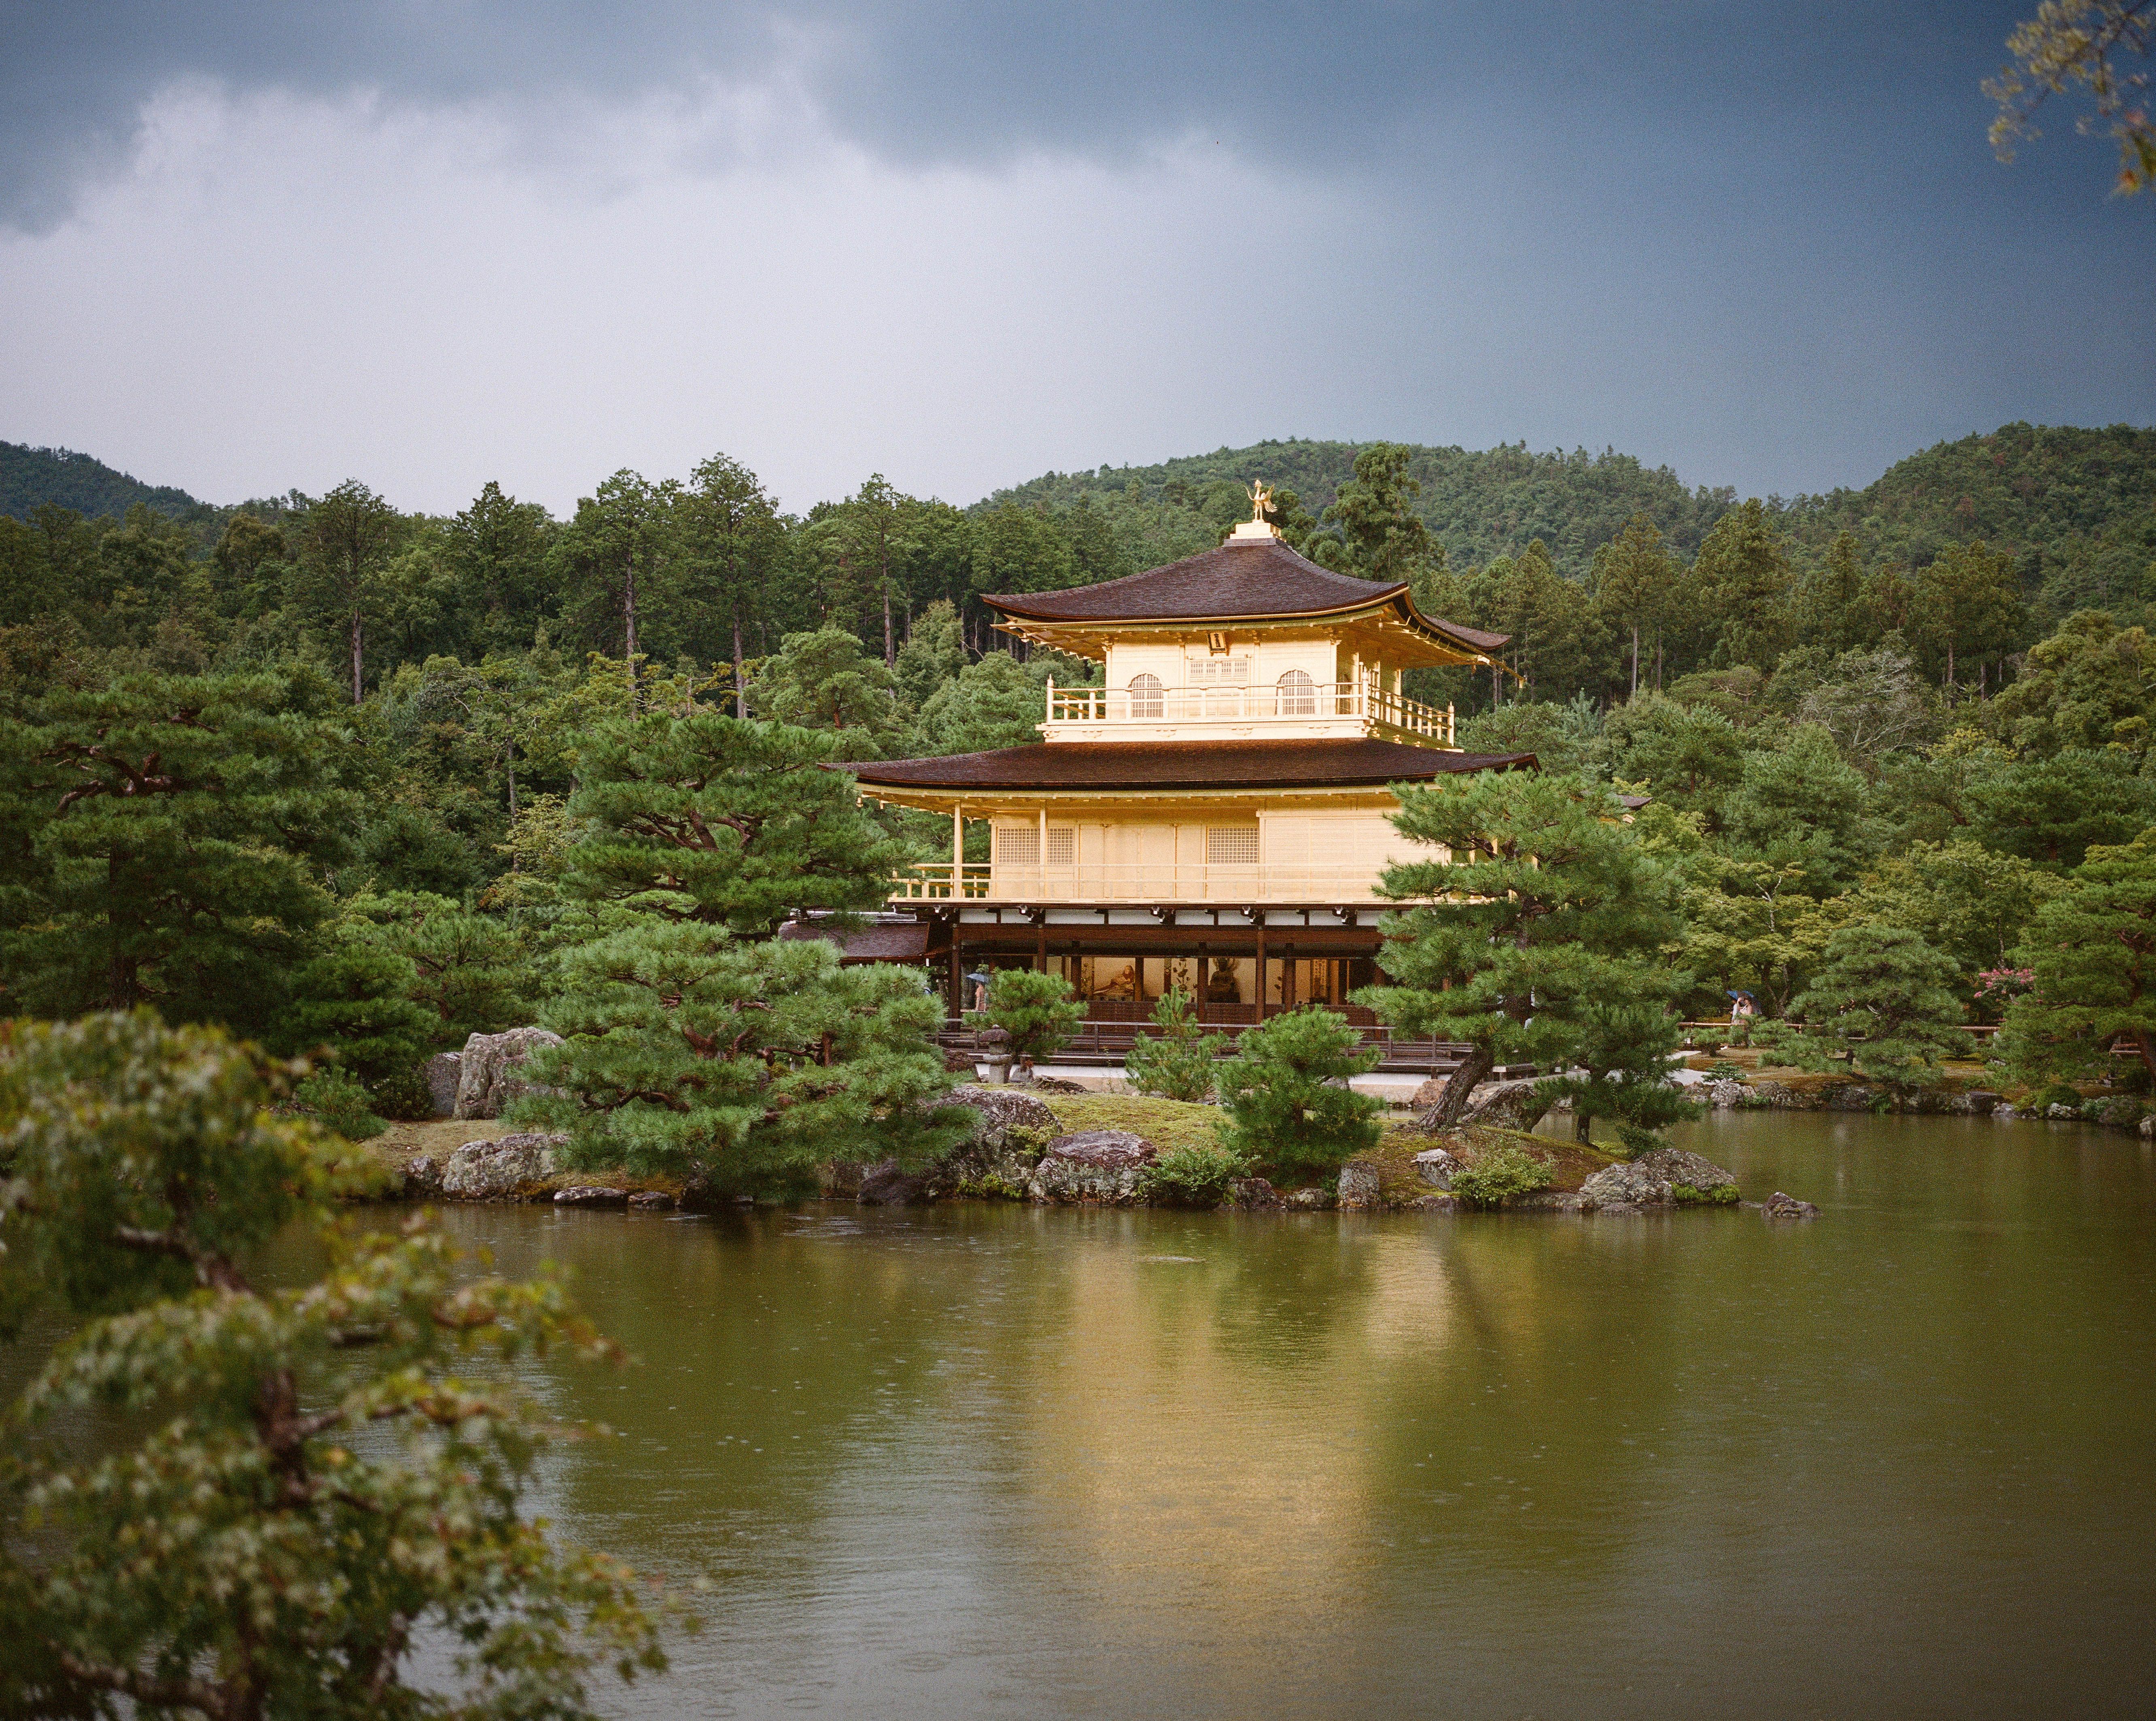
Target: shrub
x,y
337,1101
1633,1141
2121,1111
1286,1091
1686,1195
1196,1175
1722,1070
1038,1010
1177,1062
402,1094
1498,1172
2058,1093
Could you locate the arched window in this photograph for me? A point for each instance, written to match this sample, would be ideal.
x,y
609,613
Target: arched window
x,y
1145,697
1298,694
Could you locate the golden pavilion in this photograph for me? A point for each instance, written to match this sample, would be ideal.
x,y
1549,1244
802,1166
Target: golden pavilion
x,y
1215,815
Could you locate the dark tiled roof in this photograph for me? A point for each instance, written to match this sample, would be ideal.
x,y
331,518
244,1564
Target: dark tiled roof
x,y
881,941
1265,578
1179,765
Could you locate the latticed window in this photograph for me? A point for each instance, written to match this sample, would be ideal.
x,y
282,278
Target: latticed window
x,y
1145,696
1017,845
1218,672
1062,846
1298,694
1231,845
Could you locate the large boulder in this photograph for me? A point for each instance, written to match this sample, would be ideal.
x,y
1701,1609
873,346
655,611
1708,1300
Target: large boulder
x,y
1435,1166
1357,1188
1093,1165
1506,1105
1728,1094
1011,1129
1431,1092
440,1073
507,1169
1678,1167
1781,1205
1252,1195
884,1185
1623,1188
1657,1179
491,1071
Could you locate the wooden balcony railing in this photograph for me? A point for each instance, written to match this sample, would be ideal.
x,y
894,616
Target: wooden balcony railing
x,y
1141,886
1308,700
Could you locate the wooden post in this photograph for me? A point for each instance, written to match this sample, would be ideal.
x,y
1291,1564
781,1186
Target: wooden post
x,y
958,853
1040,942
1261,965
1044,850
958,967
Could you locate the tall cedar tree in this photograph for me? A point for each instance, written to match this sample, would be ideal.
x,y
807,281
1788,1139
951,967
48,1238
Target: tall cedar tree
x,y
1386,538
497,548
745,1066
165,833
1635,579
745,820
1883,999
220,1521
1539,935
2093,951
733,544
617,551
1741,586
344,542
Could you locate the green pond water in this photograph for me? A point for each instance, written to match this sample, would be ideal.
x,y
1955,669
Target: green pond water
x,y
988,1460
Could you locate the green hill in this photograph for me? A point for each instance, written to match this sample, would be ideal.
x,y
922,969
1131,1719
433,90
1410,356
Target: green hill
x,y
32,477
1479,503
2077,508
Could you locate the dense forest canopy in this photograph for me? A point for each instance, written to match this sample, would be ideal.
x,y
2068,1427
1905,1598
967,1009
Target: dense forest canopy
x,y
1923,704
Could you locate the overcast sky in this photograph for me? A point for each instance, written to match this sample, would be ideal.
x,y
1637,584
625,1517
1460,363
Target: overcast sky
x,y
429,243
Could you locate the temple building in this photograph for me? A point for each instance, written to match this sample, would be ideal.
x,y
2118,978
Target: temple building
x,y
1216,815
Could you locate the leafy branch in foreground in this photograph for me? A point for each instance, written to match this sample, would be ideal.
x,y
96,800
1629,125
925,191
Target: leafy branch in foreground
x,y
289,1489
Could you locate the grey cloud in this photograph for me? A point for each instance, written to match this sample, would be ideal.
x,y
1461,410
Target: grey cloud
x,y
1338,82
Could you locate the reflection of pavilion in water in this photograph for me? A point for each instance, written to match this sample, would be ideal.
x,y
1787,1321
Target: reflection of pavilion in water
x,y
1215,816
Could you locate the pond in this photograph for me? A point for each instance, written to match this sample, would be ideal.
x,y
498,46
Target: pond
x,y
988,1460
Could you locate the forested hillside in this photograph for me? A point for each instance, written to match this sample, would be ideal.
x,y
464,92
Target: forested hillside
x,y
30,478
1478,505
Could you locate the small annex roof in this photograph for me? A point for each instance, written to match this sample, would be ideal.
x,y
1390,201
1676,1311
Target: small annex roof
x,y
876,938
1344,763
1258,579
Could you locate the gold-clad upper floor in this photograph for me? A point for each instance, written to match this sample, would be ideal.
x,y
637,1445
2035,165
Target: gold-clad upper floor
x,y
1249,641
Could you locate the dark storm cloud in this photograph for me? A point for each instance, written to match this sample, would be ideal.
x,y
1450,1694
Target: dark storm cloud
x,y
1347,84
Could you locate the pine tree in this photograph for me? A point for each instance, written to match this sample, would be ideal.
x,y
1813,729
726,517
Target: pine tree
x,y
1039,1011
1539,934
206,1510
165,834
1287,1096
2093,951
824,680
1177,1062
1882,998
743,819
688,1053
